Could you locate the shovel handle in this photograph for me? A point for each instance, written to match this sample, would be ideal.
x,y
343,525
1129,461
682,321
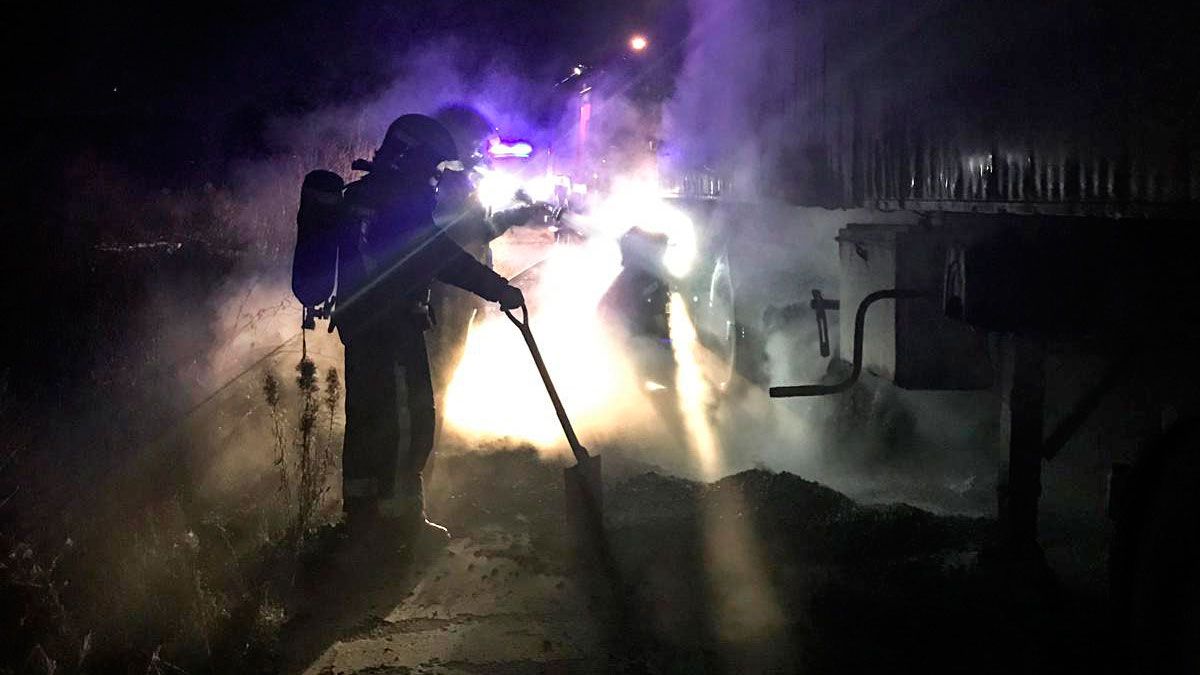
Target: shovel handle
x,y
522,324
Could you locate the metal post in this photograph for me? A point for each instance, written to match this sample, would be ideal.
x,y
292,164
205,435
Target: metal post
x,y
1022,402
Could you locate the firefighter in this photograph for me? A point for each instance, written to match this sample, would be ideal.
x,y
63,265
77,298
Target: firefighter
x,y
466,220
391,252
638,299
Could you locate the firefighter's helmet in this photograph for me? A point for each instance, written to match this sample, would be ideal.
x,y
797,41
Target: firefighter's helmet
x,y
415,133
470,129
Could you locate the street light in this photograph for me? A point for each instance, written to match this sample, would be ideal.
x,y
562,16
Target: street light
x,y
638,43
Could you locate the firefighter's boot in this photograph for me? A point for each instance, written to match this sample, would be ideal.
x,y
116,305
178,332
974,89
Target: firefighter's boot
x,y
407,524
361,518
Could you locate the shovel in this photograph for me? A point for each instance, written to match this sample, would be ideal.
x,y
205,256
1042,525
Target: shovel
x,y
584,501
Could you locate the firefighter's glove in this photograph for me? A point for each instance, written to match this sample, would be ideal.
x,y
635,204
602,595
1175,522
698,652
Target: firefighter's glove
x,y
511,298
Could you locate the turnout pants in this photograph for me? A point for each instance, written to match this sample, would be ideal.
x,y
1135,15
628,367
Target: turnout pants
x,y
389,420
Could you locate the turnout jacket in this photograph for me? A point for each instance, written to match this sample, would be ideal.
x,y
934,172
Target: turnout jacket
x,y
391,251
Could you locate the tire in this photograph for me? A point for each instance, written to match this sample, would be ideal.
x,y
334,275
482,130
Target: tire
x,y
716,322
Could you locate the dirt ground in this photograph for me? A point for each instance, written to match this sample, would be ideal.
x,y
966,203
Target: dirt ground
x,y
756,572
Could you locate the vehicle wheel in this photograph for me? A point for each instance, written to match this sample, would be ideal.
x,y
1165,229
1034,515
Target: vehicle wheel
x,y
717,325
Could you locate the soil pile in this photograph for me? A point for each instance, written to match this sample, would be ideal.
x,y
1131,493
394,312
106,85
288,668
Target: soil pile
x,y
760,571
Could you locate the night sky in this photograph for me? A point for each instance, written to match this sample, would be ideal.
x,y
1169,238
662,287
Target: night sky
x,y
170,90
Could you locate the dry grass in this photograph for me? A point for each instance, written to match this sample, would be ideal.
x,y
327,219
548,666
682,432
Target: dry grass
x,y
171,591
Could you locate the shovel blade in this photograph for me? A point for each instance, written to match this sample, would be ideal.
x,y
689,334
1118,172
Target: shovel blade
x,y
585,504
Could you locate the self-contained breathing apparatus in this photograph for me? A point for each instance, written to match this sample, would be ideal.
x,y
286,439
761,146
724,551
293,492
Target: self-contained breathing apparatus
x,y
322,219
314,264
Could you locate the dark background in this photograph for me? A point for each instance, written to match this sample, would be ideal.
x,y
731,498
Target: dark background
x,y
111,105
191,88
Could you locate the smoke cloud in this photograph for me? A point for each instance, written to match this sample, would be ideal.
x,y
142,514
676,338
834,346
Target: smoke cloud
x,y
751,105
730,113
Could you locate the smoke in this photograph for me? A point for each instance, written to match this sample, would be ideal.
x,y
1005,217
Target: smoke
x,y
750,105
724,115
734,111
254,314
713,116
216,310
161,307
208,310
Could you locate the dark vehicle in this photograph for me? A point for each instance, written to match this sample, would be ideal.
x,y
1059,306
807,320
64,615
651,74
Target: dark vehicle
x,y
1027,179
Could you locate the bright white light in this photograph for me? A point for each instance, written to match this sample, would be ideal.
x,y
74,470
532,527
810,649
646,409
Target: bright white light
x,y
496,391
638,42
639,203
694,392
540,188
496,188
681,245
501,148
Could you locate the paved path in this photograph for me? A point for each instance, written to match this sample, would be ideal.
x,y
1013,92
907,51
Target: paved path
x,y
514,619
